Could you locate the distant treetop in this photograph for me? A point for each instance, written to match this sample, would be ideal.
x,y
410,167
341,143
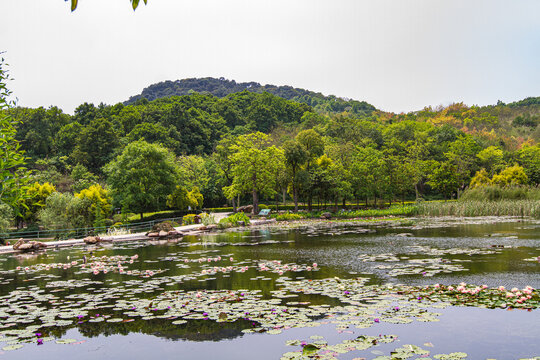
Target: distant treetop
x,y
222,87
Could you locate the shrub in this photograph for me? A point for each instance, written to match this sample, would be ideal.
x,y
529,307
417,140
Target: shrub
x,y
207,219
289,217
232,220
189,219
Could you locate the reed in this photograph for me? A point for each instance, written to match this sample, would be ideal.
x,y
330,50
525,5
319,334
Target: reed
x,y
470,208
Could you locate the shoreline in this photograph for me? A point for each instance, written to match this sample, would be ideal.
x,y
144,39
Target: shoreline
x,y
410,223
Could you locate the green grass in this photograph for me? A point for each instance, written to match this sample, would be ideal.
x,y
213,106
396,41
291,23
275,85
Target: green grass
x,y
471,208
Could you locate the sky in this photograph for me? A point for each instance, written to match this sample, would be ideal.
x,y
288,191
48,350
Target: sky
x,y
399,55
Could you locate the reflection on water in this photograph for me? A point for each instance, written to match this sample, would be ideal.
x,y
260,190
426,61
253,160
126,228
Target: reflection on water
x,y
36,291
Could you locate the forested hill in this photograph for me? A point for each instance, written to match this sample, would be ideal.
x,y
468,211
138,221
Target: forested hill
x,y
222,87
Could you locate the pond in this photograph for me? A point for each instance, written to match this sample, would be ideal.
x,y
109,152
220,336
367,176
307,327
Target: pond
x,y
325,290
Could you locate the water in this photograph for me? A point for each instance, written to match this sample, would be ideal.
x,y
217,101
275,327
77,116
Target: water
x,y
493,254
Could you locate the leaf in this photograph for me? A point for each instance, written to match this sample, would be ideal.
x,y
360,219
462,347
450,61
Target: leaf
x,y
74,4
135,3
310,349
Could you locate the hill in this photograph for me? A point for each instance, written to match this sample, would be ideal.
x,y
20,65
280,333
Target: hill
x,y
222,87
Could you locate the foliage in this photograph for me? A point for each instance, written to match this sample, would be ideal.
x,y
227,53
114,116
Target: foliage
x,y
232,220
481,178
494,193
142,176
189,219
100,203
513,175
221,88
481,208
6,217
34,200
82,178
288,217
254,165
134,4
65,211
323,149
13,174
208,219
182,199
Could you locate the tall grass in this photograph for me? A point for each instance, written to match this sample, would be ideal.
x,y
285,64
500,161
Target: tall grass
x,y
495,193
484,207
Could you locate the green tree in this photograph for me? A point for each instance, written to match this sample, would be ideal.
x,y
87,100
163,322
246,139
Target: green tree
x,y
95,145
481,178
491,159
512,175
224,160
295,158
13,174
182,199
100,203
529,158
82,178
254,163
444,178
142,176
35,199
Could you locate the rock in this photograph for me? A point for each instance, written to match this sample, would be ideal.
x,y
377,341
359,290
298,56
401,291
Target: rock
x,y
25,245
245,209
326,216
405,235
91,240
163,233
18,244
173,233
212,227
152,234
241,223
203,228
163,226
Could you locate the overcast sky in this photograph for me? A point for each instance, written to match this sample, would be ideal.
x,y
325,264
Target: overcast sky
x,y
398,55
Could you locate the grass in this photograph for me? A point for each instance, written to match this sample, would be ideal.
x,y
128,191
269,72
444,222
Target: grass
x,y
470,208
395,210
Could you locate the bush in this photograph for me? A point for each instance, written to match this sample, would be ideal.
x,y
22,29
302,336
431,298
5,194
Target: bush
x,y
263,206
232,220
6,216
189,219
289,217
495,193
207,219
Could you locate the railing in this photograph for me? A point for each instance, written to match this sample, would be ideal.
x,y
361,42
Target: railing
x,y
60,234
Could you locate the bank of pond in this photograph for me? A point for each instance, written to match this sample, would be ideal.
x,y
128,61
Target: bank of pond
x,y
444,288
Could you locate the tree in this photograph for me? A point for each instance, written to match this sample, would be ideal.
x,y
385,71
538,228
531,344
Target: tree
x,y
529,158
295,157
491,159
82,178
254,163
142,177
13,174
35,199
481,178
182,199
444,179
512,175
223,156
100,203
313,145
95,145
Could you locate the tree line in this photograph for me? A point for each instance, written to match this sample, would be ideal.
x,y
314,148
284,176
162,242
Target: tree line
x,y
200,150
